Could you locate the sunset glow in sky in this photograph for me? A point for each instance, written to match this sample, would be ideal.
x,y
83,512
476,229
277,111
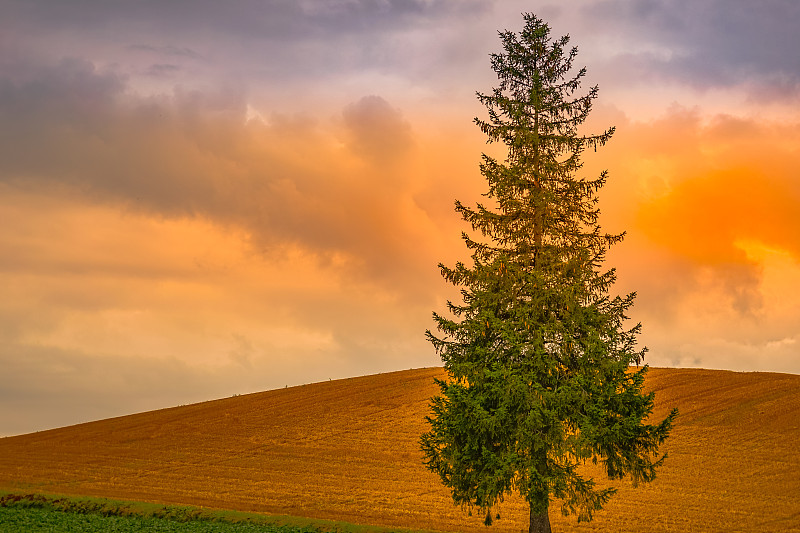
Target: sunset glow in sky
x,y
199,199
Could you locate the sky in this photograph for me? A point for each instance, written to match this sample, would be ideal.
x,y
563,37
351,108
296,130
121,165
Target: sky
x,y
202,198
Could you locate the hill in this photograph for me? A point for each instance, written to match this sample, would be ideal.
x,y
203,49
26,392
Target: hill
x,y
348,450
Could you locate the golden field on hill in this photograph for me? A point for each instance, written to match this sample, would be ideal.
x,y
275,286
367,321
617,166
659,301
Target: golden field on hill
x,y
347,450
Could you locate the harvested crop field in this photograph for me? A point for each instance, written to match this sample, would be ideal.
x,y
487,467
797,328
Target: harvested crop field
x,y
347,450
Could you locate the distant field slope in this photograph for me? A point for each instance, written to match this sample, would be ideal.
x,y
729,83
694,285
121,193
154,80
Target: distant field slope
x,y
348,450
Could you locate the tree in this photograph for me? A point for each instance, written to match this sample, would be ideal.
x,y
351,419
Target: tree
x,y
539,357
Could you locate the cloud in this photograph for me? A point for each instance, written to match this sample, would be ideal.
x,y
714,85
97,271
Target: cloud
x,y
168,50
158,233
341,190
317,48
377,132
107,312
289,54
50,387
235,198
162,70
367,191
273,19
737,181
713,43
709,204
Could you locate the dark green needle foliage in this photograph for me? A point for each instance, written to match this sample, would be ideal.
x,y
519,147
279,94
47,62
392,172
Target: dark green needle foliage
x,y
544,372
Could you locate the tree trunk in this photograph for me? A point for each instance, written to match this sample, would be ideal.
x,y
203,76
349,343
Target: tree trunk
x,y
540,522
538,205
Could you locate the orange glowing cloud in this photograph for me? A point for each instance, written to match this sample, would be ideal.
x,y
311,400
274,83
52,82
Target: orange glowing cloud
x,y
737,181
707,217
710,206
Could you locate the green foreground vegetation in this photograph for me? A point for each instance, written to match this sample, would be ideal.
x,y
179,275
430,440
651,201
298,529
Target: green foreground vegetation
x,y
21,520
23,513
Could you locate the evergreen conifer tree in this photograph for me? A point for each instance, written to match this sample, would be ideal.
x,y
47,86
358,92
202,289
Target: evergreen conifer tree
x,y
539,356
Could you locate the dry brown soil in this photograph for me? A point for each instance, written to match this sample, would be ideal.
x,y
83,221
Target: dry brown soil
x,y
348,450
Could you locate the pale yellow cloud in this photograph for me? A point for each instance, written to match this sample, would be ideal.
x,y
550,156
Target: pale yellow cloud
x,y
176,237
100,303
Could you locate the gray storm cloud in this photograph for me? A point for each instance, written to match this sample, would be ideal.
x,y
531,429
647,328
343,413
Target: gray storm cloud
x,y
257,42
709,43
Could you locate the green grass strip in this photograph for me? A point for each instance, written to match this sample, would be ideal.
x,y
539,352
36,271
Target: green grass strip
x,y
23,512
33,520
